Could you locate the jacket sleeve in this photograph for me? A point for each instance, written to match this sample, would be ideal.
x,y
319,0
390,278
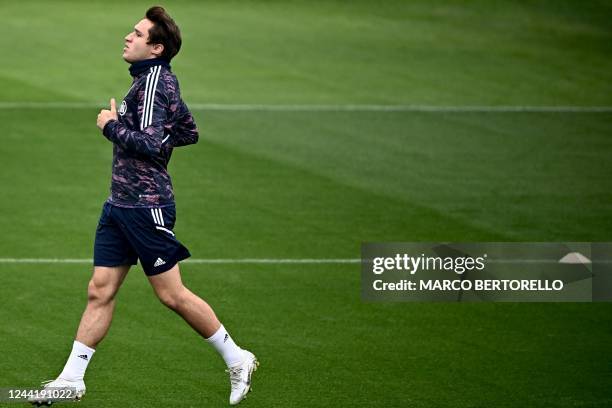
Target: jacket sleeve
x,y
185,131
148,140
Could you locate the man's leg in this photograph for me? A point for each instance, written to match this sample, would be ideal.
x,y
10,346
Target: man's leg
x,y
98,314
171,292
241,363
96,319
94,325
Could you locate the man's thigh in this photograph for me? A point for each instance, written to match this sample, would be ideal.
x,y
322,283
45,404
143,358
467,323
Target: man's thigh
x,y
111,247
107,280
150,234
168,282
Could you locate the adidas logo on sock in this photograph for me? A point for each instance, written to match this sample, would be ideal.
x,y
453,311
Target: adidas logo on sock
x,y
159,262
83,356
226,337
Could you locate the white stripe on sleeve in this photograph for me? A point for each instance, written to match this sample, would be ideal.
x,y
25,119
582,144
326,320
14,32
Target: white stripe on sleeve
x,y
144,105
152,96
147,102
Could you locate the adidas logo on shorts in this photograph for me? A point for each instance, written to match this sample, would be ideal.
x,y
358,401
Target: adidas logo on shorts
x,y
159,262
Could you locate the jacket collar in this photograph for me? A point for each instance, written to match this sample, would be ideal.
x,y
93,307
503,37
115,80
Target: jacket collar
x,y
139,67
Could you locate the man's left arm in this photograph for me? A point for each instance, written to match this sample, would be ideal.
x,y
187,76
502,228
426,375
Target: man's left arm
x,y
185,130
146,142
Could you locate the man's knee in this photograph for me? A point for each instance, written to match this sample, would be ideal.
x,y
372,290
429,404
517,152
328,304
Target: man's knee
x,y
172,299
99,293
103,286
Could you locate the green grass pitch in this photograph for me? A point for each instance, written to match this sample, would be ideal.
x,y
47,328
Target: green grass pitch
x,y
315,184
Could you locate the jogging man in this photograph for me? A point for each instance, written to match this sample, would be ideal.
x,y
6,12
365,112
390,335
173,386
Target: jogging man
x,y
138,217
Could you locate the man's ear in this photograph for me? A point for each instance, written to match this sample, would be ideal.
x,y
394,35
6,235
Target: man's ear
x,y
158,49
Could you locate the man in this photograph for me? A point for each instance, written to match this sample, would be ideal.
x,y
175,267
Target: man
x,y
138,217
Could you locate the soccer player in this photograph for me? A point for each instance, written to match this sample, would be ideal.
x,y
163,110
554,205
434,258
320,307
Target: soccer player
x,y
138,217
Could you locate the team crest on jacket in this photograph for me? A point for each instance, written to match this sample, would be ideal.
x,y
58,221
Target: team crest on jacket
x,y
123,108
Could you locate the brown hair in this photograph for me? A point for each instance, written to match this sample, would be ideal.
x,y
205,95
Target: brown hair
x,y
164,31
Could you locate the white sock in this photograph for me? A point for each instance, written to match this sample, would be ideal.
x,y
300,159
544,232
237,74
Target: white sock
x,y
223,343
75,367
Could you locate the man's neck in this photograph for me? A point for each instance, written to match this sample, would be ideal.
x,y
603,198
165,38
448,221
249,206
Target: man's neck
x,y
141,66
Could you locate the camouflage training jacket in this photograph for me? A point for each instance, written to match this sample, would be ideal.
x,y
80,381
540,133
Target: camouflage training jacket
x,y
152,120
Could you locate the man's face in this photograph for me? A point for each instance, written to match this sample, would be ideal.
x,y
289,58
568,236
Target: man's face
x,y
136,47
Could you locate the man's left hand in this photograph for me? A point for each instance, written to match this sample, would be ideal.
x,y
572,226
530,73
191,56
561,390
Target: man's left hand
x,y
106,115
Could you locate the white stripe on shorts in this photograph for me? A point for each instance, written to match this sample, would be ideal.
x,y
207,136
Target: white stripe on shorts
x,y
161,217
154,215
165,230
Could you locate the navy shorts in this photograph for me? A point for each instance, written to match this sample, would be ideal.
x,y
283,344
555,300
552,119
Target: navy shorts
x,y
127,234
